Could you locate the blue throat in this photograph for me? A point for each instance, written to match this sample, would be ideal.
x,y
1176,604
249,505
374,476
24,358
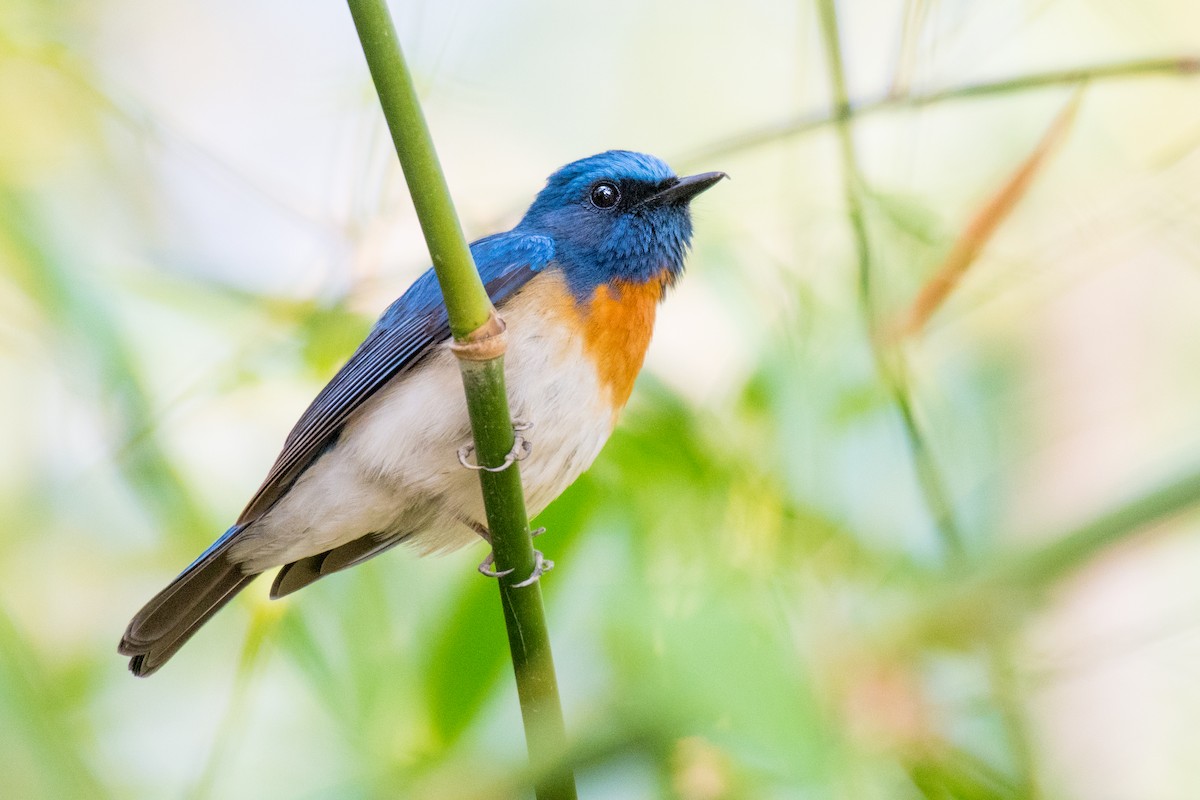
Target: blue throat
x,y
632,253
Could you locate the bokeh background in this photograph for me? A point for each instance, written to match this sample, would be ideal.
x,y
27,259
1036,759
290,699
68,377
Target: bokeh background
x,y
857,537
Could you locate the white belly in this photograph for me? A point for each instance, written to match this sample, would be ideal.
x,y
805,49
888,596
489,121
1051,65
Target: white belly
x,y
395,468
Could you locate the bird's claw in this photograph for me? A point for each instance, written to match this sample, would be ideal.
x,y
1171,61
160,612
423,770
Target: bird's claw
x,y
541,565
521,449
491,573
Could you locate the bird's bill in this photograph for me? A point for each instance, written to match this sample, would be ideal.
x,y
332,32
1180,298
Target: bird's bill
x,y
684,189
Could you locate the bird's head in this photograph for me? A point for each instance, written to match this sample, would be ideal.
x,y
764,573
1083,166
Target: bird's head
x,y
617,216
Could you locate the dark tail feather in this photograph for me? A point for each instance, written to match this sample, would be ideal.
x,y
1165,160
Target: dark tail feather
x,y
299,574
174,614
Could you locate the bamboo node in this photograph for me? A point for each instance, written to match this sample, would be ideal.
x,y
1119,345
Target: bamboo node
x,y
486,342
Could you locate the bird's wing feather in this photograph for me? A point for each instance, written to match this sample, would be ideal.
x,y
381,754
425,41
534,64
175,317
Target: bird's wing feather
x,y
408,330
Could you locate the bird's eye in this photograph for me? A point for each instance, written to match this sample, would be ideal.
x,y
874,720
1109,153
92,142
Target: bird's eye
x,y
605,195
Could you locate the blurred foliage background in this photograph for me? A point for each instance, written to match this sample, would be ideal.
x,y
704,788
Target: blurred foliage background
x,y
899,509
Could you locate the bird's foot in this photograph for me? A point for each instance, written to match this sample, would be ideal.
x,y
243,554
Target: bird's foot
x,y
485,568
521,449
541,565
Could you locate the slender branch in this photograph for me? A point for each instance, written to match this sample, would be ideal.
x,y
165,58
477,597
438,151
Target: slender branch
x,y
812,121
480,334
893,373
1067,552
851,171
977,602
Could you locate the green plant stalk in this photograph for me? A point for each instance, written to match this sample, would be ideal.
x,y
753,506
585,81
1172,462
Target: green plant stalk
x,y
1038,568
470,312
524,616
991,597
229,732
893,374
466,300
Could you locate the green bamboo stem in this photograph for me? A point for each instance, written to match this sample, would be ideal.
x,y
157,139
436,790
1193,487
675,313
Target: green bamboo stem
x,y
466,300
471,313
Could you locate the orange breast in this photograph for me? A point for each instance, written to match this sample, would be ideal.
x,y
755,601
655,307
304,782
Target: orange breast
x,y
613,326
617,322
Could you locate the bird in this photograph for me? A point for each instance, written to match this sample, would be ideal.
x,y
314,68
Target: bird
x,y
372,461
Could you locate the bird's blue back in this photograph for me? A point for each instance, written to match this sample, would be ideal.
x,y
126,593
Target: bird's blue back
x,y
505,262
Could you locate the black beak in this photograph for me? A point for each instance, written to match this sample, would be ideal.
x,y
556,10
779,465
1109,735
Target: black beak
x,y
684,189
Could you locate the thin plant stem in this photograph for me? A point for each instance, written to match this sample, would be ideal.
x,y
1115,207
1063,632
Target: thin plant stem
x,y
891,371
233,724
467,302
474,320
969,602
813,121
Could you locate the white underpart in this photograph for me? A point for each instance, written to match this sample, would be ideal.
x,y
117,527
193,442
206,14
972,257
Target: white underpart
x,y
395,468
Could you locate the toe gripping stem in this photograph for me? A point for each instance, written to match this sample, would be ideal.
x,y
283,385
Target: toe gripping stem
x,y
541,565
521,449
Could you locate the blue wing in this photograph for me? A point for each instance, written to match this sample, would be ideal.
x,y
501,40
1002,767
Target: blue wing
x,y
406,332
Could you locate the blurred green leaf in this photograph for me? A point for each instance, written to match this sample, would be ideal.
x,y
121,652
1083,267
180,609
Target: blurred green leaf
x,y
74,307
465,660
42,744
328,335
